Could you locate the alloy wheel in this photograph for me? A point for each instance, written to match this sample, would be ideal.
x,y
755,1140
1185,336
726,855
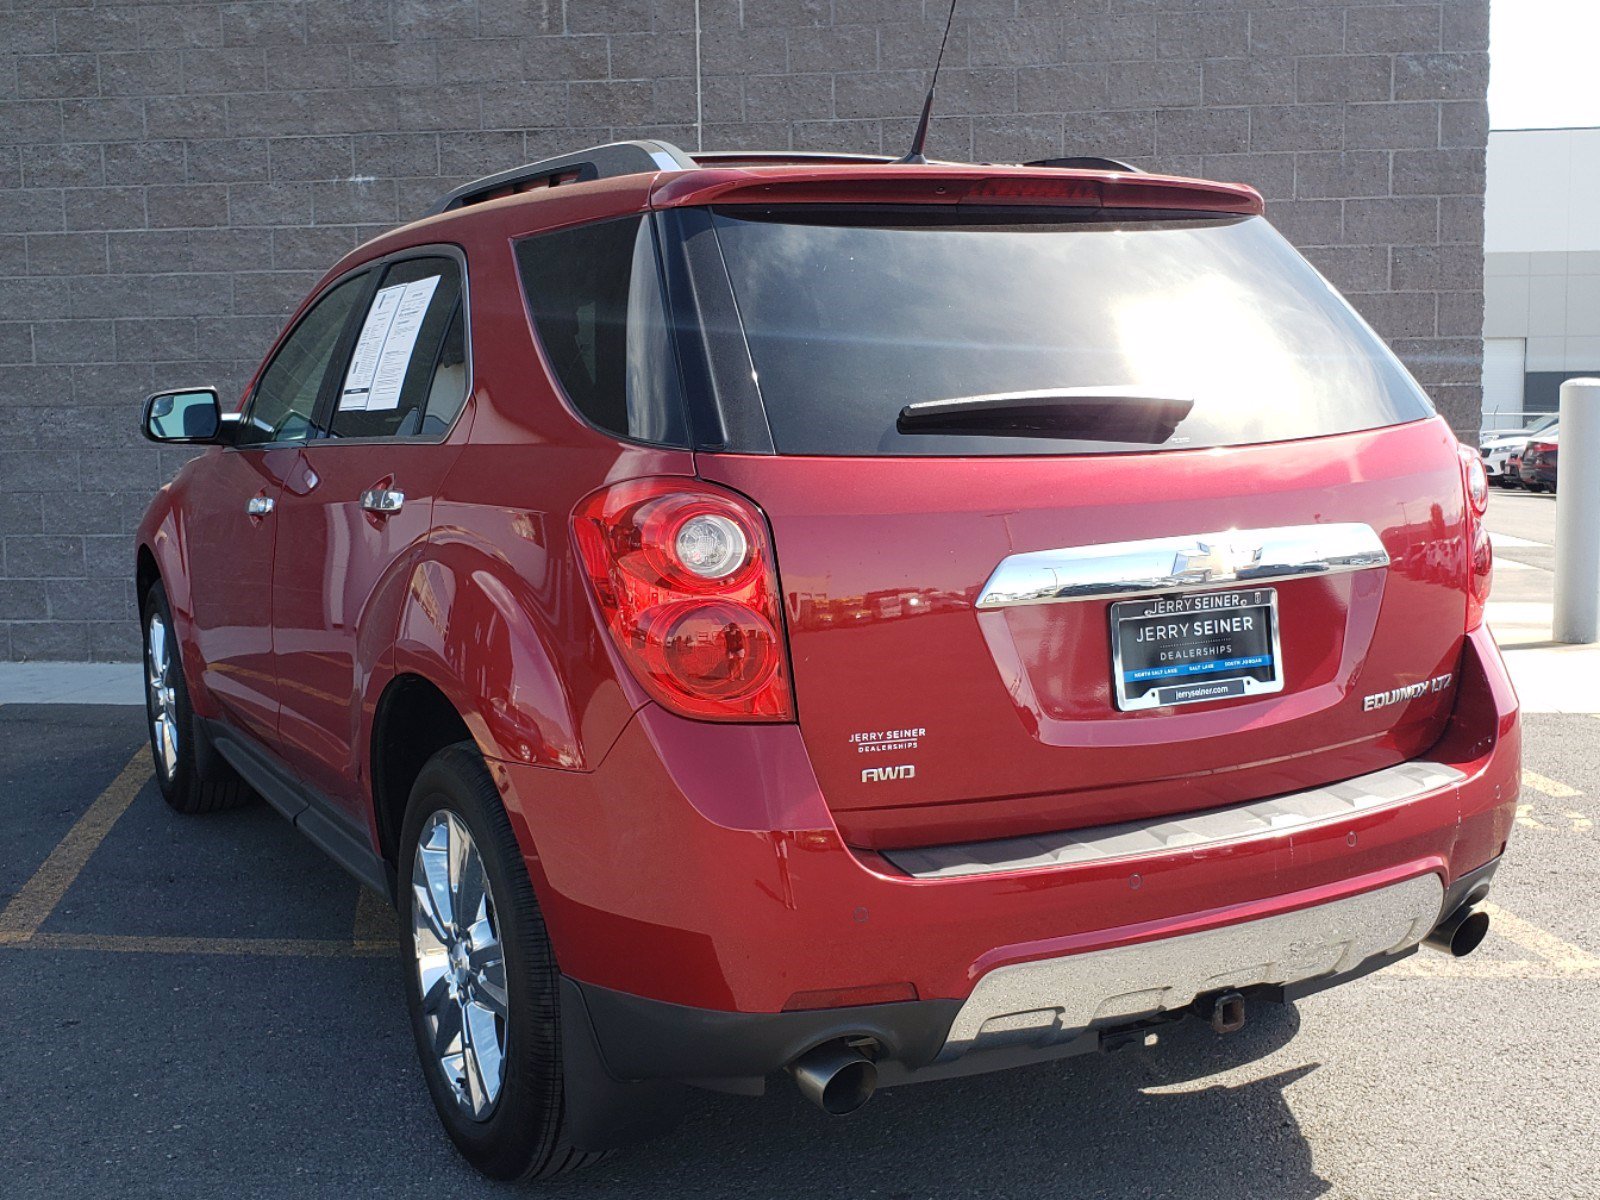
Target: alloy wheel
x,y
460,963
158,674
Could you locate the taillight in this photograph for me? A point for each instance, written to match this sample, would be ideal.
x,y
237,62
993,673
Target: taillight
x,y
1480,565
685,579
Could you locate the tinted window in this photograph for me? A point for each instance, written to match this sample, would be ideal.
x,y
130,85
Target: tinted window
x,y
1176,333
286,397
595,296
407,373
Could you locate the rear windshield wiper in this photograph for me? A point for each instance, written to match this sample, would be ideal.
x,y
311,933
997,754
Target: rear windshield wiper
x,y
1110,413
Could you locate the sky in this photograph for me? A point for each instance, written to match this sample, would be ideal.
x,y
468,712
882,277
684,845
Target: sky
x,y
1543,67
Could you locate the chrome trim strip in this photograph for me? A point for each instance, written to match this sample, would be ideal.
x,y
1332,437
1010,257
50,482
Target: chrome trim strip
x,y
1171,564
1054,1000
1192,831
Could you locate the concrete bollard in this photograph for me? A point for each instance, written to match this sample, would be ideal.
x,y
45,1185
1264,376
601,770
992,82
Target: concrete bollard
x,y
1577,609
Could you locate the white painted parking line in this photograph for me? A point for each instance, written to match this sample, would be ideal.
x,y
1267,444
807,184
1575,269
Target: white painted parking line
x,y
1508,539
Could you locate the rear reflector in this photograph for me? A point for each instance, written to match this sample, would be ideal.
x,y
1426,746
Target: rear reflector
x,y
876,993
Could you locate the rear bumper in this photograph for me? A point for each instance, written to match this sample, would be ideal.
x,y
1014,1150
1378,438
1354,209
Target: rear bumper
x,y
1307,950
698,868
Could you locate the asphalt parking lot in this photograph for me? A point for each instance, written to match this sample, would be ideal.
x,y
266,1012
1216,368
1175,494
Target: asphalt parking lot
x,y
205,1006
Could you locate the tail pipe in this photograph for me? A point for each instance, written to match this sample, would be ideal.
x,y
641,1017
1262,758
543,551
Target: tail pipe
x,y
1462,932
835,1077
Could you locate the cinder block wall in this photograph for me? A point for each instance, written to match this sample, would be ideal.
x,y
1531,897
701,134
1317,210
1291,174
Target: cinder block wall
x,y
174,176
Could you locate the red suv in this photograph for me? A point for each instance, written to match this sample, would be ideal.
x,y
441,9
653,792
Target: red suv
x,y
884,622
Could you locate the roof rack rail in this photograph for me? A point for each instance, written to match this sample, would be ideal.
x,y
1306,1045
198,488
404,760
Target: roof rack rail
x,y
1085,162
760,158
597,162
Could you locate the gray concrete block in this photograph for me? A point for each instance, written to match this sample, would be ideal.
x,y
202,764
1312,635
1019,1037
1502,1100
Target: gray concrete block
x,y
188,25
236,69
55,76
131,163
1155,84
1184,35
186,206
1203,131
792,97
48,641
105,208
1232,81
39,556
69,342
1440,76
838,48
1297,127
297,158
1402,221
141,73
1392,126
1324,79
1393,29
1324,175
72,165
66,253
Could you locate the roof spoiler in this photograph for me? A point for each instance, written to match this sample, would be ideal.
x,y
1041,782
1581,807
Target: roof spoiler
x,y
649,156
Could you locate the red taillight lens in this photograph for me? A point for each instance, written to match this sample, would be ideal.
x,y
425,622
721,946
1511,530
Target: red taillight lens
x,y
685,579
1480,550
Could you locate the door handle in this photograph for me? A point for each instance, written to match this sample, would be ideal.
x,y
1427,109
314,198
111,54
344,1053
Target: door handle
x,y
259,506
382,500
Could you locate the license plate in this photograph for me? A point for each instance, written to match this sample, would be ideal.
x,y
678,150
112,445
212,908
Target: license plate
x,y
1191,649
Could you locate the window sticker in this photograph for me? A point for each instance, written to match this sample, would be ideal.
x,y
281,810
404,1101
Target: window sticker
x,y
383,351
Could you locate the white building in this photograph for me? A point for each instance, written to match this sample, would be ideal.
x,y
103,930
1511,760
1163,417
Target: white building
x,y
1541,320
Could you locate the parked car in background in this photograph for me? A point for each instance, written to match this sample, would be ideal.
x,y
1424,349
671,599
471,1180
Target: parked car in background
x,y
1536,466
563,576
1499,447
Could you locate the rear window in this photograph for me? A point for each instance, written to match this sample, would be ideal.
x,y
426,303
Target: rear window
x,y
1121,335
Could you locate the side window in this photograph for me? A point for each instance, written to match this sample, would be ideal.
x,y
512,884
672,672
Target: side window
x,y
407,375
596,298
285,398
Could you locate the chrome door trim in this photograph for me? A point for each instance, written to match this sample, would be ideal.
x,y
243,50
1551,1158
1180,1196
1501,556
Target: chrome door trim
x,y
260,506
1117,570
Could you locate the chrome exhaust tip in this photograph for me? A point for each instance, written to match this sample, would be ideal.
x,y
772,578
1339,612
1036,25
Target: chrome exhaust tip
x,y
1462,932
835,1078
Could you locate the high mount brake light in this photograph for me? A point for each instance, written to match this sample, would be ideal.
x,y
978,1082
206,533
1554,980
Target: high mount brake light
x,y
685,579
1480,550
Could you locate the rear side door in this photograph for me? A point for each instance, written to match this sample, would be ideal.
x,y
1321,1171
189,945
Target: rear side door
x,y
232,516
363,501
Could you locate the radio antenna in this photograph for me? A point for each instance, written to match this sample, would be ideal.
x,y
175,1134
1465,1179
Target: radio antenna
x,y
921,136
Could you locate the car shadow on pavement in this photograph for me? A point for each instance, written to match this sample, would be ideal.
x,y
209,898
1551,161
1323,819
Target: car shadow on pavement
x,y
1139,1122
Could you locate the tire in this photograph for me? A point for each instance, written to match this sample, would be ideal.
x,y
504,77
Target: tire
x,y
504,1018
193,778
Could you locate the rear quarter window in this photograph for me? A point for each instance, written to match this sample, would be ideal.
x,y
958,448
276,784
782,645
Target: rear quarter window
x,y
596,299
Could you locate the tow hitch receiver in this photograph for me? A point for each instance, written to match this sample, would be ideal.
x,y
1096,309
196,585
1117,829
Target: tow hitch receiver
x,y
1225,1011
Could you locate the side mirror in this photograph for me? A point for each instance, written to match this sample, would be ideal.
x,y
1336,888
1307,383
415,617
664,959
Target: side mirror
x,y
190,415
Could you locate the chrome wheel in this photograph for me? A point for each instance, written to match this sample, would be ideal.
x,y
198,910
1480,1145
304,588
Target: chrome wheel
x,y
461,969
159,668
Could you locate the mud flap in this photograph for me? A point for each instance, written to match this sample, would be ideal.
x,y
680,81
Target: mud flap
x,y
603,1112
